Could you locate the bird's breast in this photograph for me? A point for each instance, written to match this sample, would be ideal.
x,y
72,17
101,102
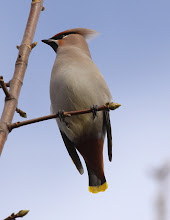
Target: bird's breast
x,y
75,85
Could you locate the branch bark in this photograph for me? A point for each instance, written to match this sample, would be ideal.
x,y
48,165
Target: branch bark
x,y
20,69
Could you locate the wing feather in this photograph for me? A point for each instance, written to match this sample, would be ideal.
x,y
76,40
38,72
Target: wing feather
x,y
72,152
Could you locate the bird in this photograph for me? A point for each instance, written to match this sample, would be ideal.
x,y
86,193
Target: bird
x,y
76,83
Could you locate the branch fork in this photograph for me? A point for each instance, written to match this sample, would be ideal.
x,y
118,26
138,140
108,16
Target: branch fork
x,y
5,89
9,97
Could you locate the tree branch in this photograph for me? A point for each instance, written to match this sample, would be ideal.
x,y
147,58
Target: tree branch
x,y
107,106
20,69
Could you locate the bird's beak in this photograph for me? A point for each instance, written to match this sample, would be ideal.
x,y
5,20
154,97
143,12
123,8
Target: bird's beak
x,y
52,43
46,41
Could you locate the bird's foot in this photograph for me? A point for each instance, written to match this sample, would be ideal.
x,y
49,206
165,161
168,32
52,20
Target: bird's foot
x,y
61,116
94,109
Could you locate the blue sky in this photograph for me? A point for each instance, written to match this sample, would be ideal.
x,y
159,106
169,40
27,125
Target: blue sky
x,y
132,52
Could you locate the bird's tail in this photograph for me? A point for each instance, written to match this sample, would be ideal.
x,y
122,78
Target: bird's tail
x,y
96,184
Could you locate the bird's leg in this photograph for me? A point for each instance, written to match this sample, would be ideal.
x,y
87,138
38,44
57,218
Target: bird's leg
x,y
94,109
61,116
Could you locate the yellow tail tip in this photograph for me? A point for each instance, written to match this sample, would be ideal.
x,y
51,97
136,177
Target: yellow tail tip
x,y
96,189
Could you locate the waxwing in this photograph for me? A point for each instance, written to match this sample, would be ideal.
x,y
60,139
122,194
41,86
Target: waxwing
x,y
76,84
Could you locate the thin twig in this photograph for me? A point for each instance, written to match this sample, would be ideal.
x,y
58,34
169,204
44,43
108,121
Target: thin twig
x,y
21,113
4,88
20,214
7,84
107,106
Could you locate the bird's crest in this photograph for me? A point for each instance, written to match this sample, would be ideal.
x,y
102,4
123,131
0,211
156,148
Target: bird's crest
x,y
86,33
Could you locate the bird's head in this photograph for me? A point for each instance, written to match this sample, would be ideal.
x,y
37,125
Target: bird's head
x,y
75,37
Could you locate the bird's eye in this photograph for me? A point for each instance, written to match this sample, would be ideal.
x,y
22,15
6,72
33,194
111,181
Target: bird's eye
x,y
63,36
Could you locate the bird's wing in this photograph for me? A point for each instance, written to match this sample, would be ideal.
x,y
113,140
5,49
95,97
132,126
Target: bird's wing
x,y
72,152
107,126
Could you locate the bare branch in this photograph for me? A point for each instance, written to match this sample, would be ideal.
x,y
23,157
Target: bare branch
x,y
20,69
107,106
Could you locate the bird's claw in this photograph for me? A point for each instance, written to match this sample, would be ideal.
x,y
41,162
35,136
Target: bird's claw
x,y
94,109
61,116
